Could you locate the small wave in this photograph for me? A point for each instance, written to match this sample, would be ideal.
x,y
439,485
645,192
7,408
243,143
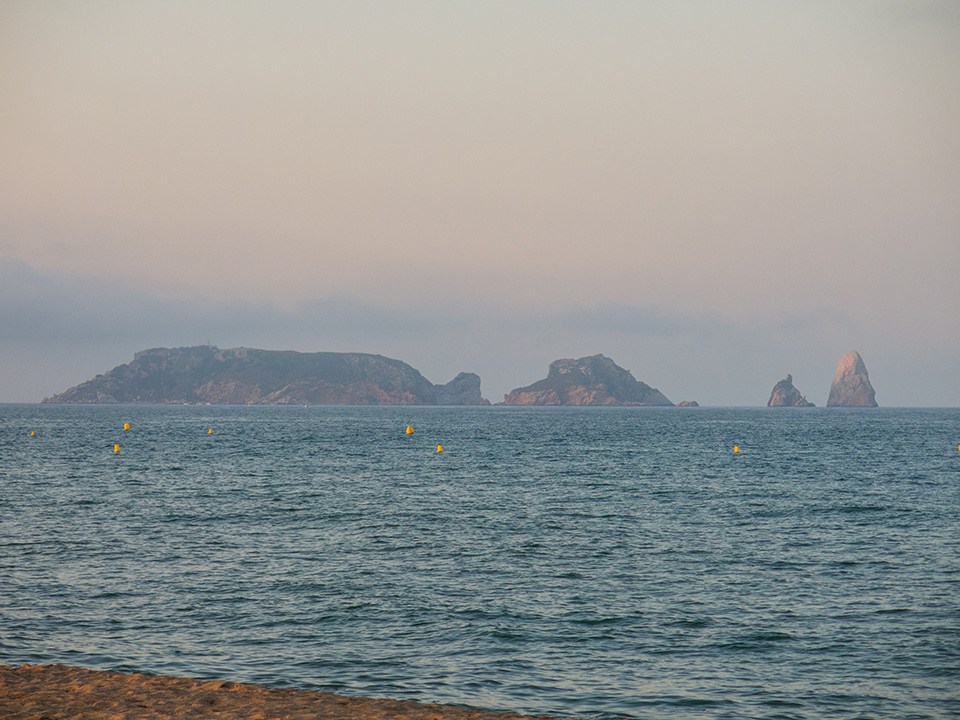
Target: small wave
x,y
782,703
690,623
699,702
770,637
757,641
597,621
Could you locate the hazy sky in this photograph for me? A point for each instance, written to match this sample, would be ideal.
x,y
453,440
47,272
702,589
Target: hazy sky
x,y
713,194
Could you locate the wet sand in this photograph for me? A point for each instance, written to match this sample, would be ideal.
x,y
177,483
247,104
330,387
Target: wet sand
x,y
50,692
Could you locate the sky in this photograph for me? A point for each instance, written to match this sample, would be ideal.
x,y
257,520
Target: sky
x,y
713,194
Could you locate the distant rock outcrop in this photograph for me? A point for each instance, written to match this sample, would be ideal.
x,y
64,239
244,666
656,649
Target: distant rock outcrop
x,y
786,395
243,376
688,403
851,385
464,389
594,380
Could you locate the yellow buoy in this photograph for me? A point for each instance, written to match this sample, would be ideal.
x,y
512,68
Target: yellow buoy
x,y
409,430
736,448
439,448
33,433
126,426
210,431
116,448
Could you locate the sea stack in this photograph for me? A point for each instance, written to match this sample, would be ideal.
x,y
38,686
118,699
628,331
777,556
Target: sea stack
x,y
786,395
851,385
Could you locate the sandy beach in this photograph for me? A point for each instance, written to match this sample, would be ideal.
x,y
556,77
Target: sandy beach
x,y
51,692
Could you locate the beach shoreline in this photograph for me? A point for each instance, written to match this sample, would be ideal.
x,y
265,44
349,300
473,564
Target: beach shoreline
x,y
62,691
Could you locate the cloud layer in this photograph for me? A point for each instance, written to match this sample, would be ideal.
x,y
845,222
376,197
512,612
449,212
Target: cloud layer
x,y
60,330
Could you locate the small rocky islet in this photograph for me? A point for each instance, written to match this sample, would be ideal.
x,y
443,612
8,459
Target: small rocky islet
x,y
784,394
851,385
850,388
593,380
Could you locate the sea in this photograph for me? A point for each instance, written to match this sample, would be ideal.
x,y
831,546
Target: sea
x,y
571,562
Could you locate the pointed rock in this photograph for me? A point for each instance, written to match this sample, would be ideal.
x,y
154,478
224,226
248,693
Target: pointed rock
x,y
851,385
786,395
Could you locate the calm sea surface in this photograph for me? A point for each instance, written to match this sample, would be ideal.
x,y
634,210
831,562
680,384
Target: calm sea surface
x,y
571,561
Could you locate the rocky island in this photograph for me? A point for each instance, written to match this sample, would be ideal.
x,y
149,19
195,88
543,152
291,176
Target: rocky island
x,y
594,380
851,385
784,394
240,376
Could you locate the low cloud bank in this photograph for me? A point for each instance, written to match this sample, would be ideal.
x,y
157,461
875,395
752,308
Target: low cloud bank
x,y
59,330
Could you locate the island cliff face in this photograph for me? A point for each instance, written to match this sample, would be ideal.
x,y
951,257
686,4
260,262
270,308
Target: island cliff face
x,y
240,376
851,385
464,389
786,395
594,380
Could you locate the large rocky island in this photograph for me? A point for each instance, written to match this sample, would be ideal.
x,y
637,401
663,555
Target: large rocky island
x,y
594,380
851,385
241,376
784,394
